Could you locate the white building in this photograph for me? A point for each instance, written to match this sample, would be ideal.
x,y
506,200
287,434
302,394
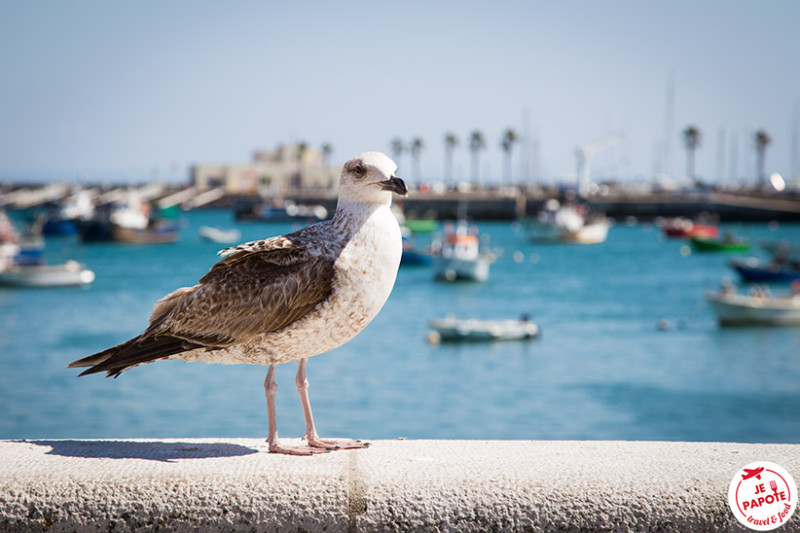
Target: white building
x,y
286,170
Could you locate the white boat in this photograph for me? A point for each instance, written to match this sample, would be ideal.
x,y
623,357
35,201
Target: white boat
x,y
594,232
568,223
67,274
451,329
460,256
218,235
132,214
734,309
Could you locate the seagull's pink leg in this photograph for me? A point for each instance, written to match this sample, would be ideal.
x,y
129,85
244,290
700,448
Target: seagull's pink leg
x,y
311,433
271,389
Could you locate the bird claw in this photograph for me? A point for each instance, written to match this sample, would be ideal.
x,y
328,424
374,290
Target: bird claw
x,y
336,444
316,445
296,450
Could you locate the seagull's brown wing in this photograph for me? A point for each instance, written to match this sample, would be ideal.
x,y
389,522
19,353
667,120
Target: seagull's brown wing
x,y
255,289
247,293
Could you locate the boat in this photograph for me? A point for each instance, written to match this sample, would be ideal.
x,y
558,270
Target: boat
x,y
280,211
568,224
592,232
130,221
160,232
97,228
68,274
413,255
684,228
20,249
64,219
30,251
219,235
755,270
452,329
460,257
729,244
421,225
758,309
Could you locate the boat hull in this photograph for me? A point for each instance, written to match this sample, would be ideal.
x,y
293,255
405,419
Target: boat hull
x,y
710,245
220,236
740,310
451,269
422,225
414,258
454,330
144,236
70,274
755,271
545,231
592,233
95,230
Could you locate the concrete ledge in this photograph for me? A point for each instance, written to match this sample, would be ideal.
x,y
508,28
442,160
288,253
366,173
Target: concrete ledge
x,y
234,485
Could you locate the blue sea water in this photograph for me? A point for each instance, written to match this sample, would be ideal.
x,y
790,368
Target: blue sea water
x,y
601,369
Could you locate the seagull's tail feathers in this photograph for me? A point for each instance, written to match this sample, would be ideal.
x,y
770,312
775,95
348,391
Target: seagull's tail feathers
x,y
99,357
132,353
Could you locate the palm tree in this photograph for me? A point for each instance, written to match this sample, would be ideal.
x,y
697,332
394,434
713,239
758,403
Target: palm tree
x,y
450,142
417,145
476,144
507,143
762,141
398,147
302,148
691,138
327,150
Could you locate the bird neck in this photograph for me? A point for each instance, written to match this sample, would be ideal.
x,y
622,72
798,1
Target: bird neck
x,y
351,216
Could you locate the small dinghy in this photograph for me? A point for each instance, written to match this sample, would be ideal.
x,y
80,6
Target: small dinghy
x,y
451,329
69,274
219,235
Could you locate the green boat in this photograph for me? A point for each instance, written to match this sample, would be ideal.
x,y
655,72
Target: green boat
x,y
727,244
422,225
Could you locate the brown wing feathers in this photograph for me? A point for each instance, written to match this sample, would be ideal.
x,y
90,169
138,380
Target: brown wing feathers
x,y
248,292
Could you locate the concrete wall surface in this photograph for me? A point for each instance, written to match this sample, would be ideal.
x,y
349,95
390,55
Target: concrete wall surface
x,y
413,485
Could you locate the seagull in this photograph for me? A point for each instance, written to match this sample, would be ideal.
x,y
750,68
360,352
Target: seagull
x,y
284,298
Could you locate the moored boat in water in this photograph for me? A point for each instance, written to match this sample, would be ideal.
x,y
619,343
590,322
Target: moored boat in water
x,y
460,257
279,211
757,309
421,225
452,329
160,232
132,222
413,255
728,244
568,224
684,228
755,270
219,235
68,274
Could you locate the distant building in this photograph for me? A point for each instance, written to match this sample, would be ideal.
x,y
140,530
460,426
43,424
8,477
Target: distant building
x,y
285,170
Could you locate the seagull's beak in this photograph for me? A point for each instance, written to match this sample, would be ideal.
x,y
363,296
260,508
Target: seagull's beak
x,y
395,184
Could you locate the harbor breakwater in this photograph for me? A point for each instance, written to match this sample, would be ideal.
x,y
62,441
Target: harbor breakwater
x,y
508,203
414,485
489,205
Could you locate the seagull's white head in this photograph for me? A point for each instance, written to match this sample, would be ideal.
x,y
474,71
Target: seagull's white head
x,y
370,178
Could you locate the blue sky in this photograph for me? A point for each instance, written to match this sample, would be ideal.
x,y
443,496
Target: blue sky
x,y
125,90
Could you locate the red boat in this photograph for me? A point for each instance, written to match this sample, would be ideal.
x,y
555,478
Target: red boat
x,y
683,228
